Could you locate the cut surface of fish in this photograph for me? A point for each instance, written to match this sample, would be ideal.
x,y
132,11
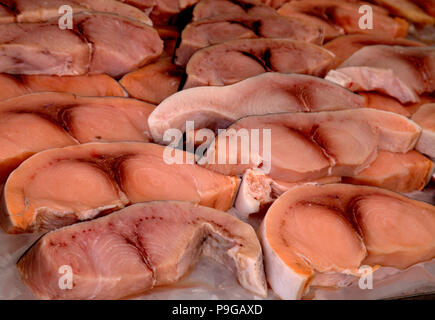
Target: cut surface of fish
x,y
206,32
140,247
344,46
154,82
425,117
99,43
211,8
321,235
343,17
310,147
399,172
384,102
100,85
45,10
236,60
401,72
381,101
217,107
61,186
418,11
40,121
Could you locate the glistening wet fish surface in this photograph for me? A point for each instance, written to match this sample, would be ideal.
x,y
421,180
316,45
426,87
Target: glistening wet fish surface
x,y
98,43
320,235
217,107
62,186
36,122
140,247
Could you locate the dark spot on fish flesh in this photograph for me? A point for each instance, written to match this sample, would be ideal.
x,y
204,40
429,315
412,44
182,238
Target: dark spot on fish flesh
x,y
256,27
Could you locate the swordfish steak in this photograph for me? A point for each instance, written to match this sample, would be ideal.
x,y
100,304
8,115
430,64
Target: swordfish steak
x,y
401,72
40,121
206,32
61,186
100,85
236,60
141,247
271,92
320,235
98,43
44,10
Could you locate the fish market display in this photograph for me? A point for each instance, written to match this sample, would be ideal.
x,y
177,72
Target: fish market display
x,y
343,47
